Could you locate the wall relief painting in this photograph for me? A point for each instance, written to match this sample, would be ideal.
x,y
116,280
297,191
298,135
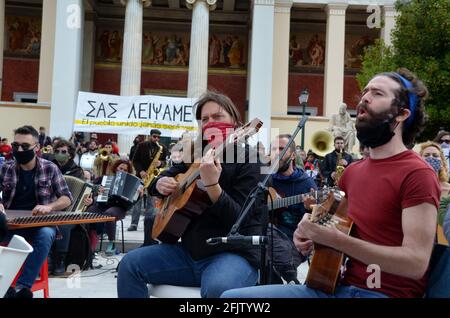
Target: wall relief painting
x,y
160,48
23,36
109,45
307,52
354,50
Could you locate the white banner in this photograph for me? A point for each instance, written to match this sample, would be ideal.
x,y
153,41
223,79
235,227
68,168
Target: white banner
x,y
134,115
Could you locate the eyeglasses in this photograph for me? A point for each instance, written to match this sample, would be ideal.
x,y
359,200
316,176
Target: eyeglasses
x,y
25,146
62,151
447,141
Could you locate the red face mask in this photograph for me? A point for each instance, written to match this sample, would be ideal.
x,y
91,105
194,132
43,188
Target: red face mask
x,y
217,132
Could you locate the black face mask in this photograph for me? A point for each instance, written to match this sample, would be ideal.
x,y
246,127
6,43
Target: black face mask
x,y
375,132
24,157
282,168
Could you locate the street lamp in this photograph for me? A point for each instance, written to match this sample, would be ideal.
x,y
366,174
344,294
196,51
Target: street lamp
x,y
303,100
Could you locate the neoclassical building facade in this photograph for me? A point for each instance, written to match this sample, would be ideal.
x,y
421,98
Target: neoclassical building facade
x,y
262,53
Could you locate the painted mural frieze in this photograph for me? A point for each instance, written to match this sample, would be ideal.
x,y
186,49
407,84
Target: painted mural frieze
x,y
23,36
226,51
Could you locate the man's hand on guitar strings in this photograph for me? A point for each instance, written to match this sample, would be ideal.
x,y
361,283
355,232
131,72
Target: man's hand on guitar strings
x,y
166,185
323,234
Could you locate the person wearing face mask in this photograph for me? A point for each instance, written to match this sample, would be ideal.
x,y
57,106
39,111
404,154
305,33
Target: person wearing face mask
x,y
289,181
34,184
224,186
392,198
443,139
44,140
432,153
63,157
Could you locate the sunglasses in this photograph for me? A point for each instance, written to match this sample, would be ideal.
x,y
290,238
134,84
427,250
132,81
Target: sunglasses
x,y
62,151
25,146
447,141
155,136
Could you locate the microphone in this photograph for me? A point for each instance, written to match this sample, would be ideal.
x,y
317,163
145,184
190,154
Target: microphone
x,y
238,240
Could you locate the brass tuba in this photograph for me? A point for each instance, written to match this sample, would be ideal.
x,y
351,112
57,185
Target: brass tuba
x,y
153,171
103,154
322,143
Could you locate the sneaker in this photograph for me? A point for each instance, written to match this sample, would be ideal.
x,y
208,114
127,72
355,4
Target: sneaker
x,y
111,249
132,228
24,293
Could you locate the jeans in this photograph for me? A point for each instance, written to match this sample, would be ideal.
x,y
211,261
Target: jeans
x,y
41,239
62,245
299,291
172,264
137,208
108,227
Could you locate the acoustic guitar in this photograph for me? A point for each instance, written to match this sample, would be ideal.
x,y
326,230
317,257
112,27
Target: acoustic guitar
x,y
325,268
188,201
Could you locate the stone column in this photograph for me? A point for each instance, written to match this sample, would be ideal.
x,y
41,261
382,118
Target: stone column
x,y
261,61
198,53
87,80
2,41
389,15
67,66
46,60
334,58
281,57
130,84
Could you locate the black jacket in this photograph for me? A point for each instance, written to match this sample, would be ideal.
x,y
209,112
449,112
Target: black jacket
x,y
236,180
71,169
328,165
144,155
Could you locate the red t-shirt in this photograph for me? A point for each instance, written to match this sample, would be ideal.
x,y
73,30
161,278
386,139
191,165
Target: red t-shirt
x,y
377,191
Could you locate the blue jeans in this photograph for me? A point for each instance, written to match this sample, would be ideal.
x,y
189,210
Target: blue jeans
x,y
299,291
62,245
172,264
41,239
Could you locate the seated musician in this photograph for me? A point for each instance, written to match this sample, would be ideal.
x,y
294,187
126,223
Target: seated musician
x,y
192,262
289,181
392,198
32,183
104,208
64,153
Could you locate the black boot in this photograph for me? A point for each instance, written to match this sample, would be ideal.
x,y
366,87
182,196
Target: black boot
x,y
59,267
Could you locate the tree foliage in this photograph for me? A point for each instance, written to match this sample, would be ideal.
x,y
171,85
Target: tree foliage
x,y
421,43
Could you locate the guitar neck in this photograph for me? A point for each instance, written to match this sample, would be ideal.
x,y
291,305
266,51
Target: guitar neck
x,y
285,202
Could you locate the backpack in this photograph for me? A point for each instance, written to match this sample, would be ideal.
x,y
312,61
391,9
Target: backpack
x,y
79,252
286,258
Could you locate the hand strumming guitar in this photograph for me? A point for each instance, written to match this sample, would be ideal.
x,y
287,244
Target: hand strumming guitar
x,y
166,185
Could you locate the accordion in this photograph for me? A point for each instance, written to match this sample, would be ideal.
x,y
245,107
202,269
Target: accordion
x,y
80,190
121,190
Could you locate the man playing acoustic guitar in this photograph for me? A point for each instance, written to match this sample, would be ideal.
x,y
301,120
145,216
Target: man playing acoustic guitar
x,y
392,198
226,186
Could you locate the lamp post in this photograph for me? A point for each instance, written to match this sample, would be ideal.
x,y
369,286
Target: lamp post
x,y
303,99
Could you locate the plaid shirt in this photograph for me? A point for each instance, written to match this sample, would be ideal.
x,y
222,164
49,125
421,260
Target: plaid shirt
x,y
49,182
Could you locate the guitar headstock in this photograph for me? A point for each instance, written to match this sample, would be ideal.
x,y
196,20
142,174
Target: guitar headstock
x,y
320,212
246,131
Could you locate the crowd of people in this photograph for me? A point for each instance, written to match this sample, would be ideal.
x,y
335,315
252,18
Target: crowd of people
x,y
395,197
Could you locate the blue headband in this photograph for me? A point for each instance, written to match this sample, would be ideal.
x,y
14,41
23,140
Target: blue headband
x,y
412,98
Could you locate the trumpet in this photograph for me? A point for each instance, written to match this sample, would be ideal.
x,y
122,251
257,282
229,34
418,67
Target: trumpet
x,y
45,149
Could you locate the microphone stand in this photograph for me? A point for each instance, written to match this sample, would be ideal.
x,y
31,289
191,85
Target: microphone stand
x,y
261,192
